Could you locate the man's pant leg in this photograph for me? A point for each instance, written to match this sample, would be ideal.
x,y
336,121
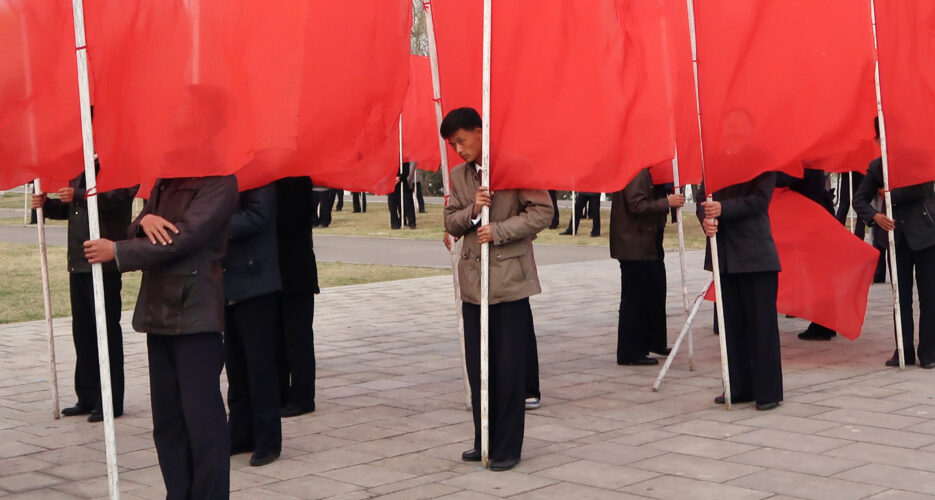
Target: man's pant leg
x,y
339,200
170,434
409,207
532,362
87,376
395,207
657,331
594,210
324,209
113,285
763,331
632,325
240,413
298,316
739,357
925,282
554,196
419,198
470,314
510,323
253,324
905,263
199,360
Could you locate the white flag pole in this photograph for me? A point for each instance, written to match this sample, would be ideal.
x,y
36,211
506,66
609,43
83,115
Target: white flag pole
x,y
850,209
686,302
100,316
574,213
40,225
485,250
712,241
26,210
446,185
887,196
402,210
686,331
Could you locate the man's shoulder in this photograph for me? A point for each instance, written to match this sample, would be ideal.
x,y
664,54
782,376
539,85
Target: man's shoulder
x,y
459,170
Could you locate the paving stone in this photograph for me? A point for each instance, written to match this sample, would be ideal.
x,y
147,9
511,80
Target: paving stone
x,y
893,477
880,436
597,474
677,488
806,486
501,484
700,446
794,461
790,441
704,469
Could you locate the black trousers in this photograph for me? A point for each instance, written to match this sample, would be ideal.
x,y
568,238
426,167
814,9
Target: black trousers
x,y
252,374
84,333
189,422
510,325
419,198
641,325
532,363
360,202
554,197
322,202
297,351
752,336
923,263
339,200
844,205
590,207
409,210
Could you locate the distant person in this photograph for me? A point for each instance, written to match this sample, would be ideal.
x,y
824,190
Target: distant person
x,y
586,205
404,213
637,223
178,241
418,175
360,202
339,200
115,209
554,196
322,200
516,216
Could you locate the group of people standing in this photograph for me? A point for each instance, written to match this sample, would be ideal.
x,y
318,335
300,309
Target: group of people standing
x,y
229,280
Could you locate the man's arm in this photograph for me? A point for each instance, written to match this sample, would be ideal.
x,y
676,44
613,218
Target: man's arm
x,y
866,193
535,216
638,195
755,202
115,199
210,209
52,209
257,213
459,213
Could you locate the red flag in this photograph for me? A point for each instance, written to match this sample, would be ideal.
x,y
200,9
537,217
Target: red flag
x,y
681,74
267,90
578,97
40,125
826,270
420,127
906,31
782,82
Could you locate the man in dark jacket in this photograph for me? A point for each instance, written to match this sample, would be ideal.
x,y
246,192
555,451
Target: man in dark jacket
x,y
114,214
360,202
299,273
405,213
178,241
913,223
749,267
251,288
637,222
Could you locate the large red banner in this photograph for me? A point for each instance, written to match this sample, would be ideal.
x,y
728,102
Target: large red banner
x,y
782,83
40,126
264,89
906,31
578,94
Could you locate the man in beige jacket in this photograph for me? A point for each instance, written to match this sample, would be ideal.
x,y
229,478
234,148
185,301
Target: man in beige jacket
x,y
516,215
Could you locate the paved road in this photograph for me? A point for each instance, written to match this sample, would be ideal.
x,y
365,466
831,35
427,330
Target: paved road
x,y
359,250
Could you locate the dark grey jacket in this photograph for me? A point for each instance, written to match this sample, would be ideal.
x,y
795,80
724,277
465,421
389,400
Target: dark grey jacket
x,y
251,266
114,209
636,216
294,232
745,238
913,208
183,285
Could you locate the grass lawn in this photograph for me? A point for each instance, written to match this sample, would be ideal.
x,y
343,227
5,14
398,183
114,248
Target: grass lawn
x,y
21,288
376,224
11,200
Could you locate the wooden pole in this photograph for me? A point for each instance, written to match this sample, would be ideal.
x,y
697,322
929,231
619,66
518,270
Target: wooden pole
x,y
887,197
100,316
40,225
485,250
686,331
712,241
686,302
446,185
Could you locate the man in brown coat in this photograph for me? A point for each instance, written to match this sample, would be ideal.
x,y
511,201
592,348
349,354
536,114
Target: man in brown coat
x,y
178,241
637,221
516,215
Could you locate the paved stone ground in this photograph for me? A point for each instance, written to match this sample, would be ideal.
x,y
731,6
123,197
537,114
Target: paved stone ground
x,y
391,418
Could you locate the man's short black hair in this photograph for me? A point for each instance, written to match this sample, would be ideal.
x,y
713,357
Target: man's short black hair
x,y
460,119
876,125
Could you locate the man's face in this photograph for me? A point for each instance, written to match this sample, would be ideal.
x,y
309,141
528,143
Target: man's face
x,y
468,144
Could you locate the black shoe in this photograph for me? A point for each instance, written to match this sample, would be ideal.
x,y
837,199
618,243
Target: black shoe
x,y
395,227
720,400
768,405
664,352
809,335
553,227
928,365
240,449
641,361
355,212
74,411
412,226
503,465
565,233
472,455
98,416
260,459
894,360
293,410
598,235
